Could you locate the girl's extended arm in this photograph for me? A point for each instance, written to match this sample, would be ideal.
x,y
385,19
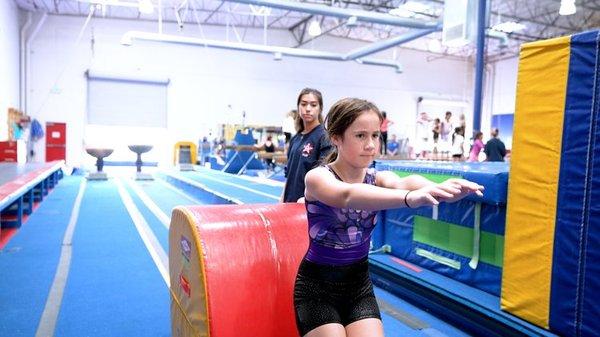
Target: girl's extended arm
x,y
413,191
323,186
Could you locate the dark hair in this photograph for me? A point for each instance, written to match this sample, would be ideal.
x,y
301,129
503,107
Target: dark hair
x,y
306,91
342,114
478,134
495,132
384,114
448,113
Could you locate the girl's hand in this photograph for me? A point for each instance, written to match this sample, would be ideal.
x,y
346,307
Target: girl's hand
x,y
449,191
461,188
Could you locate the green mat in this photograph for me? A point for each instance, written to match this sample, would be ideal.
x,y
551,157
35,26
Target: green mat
x,y
458,239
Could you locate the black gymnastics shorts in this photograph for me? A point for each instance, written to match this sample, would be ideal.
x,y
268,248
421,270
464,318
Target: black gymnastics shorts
x,y
333,294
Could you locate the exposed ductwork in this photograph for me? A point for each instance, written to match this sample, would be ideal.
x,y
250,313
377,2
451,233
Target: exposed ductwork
x,y
385,44
345,13
361,15
423,28
354,55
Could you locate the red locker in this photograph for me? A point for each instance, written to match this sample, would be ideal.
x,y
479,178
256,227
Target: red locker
x,y
56,141
8,151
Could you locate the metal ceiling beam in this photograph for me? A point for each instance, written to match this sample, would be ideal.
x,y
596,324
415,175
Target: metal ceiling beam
x,y
385,44
513,16
344,13
355,55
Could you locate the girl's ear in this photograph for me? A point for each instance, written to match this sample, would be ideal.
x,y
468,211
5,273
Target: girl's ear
x,y
335,140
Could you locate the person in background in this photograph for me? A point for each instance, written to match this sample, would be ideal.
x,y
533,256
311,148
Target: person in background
x,y
423,133
462,123
437,127
446,131
309,145
384,132
458,141
269,147
494,148
289,125
477,147
393,146
333,293
204,150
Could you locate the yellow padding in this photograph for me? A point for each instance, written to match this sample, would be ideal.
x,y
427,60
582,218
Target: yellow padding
x,y
533,183
193,150
189,314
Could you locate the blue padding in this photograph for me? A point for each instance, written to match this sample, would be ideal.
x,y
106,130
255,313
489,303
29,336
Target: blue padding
x,y
223,187
574,287
590,247
393,327
202,194
243,156
378,233
492,175
475,299
398,232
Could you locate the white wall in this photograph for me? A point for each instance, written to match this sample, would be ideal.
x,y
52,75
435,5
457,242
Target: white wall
x,y
9,62
500,91
505,86
204,81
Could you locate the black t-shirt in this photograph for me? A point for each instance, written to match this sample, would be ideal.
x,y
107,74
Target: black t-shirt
x,y
494,150
270,148
305,152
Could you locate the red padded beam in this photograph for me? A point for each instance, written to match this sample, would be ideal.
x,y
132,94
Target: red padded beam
x,y
232,269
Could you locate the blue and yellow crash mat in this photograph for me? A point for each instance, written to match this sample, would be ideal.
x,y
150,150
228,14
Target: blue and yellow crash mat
x,y
551,273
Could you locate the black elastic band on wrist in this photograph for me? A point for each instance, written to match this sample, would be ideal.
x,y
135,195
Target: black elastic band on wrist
x,y
406,201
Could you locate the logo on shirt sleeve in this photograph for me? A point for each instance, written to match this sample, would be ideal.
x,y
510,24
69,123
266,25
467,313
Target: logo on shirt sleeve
x,y
307,150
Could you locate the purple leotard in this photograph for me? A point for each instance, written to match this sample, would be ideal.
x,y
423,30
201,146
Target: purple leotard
x,y
339,236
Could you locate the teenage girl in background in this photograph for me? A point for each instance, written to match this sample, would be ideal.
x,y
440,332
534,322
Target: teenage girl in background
x,y
309,145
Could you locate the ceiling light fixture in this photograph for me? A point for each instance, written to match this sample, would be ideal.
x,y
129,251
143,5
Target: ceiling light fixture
x,y
314,29
145,7
411,9
509,27
352,21
567,7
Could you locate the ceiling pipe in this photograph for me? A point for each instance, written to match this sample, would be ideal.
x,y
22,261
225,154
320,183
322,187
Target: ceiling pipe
x,y
357,54
128,37
345,13
28,42
500,36
22,62
386,44
380,62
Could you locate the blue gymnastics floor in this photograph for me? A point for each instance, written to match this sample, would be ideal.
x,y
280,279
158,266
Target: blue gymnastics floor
x,y
115,282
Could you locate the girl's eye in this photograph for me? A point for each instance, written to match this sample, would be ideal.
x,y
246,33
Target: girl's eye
x,y
360,135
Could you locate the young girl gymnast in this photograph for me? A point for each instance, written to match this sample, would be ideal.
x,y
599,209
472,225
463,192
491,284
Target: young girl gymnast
x,y
333,294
